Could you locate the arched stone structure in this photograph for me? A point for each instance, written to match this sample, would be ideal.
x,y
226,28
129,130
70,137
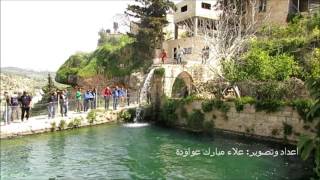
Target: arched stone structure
x,y
190,73
187,83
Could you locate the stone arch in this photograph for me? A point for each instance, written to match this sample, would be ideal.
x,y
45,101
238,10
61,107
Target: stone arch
x,y
182,85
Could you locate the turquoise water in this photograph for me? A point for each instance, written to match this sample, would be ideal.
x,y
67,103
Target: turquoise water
x,y
117,152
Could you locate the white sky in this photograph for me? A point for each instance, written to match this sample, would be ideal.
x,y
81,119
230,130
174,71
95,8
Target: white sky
x,y
41,35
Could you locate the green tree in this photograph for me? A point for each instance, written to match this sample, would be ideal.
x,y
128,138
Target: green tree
x,y
72,65
258,64
306,144
315,63
48,89
152,19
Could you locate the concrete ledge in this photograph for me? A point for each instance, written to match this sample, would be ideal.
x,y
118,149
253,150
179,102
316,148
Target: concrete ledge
x,y
41,124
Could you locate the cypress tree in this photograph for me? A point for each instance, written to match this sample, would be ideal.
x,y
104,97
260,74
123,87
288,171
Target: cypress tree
x,y
152,19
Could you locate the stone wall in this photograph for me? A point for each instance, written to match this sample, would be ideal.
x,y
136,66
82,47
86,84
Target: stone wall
x,y
251,122
36,126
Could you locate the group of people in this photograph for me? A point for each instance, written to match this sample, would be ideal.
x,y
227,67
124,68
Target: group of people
x,y
86,100
204,55
15,102
178,55
56,97
180,52
120,96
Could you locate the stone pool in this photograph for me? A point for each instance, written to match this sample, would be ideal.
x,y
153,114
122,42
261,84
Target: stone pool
x,y
150,152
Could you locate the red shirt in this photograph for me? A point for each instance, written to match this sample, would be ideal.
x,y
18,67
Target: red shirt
x,y
107,92
163,55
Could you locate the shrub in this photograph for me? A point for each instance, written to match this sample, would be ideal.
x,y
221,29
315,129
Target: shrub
x,y
70,124
77,122
159,72
287,129
270,90
269,105
207,106
221,105
225,108
62,124
183,112
240,102
260,64
217,103
53,126
125,116
189,99
168,111
315,63
92,116
195,119
289,89
132,112
303,107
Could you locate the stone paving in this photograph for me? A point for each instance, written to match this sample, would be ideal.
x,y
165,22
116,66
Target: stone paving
x,y
39,124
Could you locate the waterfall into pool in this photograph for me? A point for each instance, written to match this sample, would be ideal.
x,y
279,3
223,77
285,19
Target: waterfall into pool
x,y
142,99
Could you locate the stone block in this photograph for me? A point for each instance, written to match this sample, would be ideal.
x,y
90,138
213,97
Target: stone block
x,y
232,109
287,111
295,114
273,119
261,117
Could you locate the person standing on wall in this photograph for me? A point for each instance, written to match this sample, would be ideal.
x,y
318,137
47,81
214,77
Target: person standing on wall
x,y
163,56
86,98
79,100
25,105
14,106
7,108
52,102
63,103
115,97
122,96
107,94
180,53
206,54
93,98
203,55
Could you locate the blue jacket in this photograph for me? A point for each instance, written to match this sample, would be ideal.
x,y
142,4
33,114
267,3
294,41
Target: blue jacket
x,y
115,93
88,95
120,92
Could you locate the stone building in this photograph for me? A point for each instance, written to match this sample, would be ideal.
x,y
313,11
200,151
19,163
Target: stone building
x,y
191,13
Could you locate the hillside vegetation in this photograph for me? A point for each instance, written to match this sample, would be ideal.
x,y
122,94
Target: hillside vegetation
x,y
117,56
281,52
17,80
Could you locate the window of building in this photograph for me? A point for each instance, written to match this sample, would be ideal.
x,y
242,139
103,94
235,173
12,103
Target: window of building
x,y
206,5
262,5
184,8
